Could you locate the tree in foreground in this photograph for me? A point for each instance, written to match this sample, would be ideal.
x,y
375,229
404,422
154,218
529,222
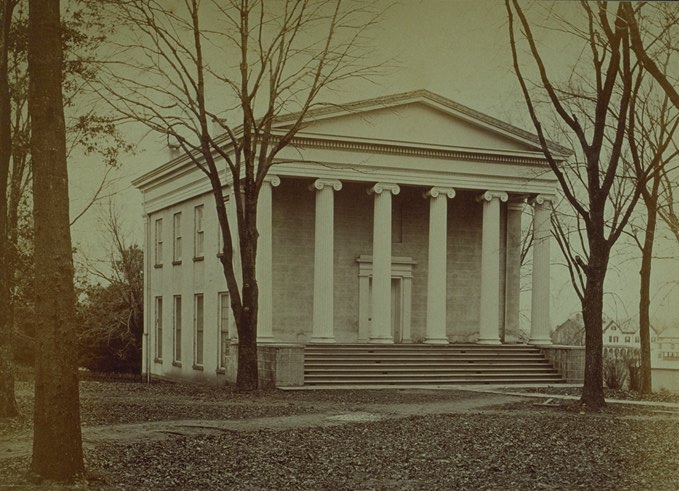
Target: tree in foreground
x,y
57,441
8,406
87,131
593,110
213,77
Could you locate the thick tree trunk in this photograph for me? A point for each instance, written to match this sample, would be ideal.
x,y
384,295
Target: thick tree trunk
x,y
645,383
592,313
57,441
8,406
247,378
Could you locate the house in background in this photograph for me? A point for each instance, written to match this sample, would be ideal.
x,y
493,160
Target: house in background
x,y
391,220
615,335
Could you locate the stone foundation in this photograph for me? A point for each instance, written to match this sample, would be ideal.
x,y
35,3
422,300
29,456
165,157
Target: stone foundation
x,y
568,360
278,365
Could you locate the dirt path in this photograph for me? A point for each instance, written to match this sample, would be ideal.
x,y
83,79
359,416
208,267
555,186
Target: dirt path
x,y
20,445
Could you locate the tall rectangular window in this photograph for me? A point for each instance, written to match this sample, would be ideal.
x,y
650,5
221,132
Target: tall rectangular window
x,y
159,242
177,320
198,324
198,232
159,328
177,235
224,328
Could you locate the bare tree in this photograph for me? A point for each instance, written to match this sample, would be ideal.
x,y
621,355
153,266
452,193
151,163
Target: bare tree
x,y
596,115
57,441
214,77
651,130
87,131
8,405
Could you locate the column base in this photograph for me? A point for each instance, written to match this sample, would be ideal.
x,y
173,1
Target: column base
x,y
381,341
540,341
322,340
488,341
436,341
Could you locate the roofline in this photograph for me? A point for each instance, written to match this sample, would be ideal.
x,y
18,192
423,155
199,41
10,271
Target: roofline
x,y
423,94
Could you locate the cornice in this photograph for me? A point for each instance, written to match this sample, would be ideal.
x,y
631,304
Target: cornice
x,y
416,151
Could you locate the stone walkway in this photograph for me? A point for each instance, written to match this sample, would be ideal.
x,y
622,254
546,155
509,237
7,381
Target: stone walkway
x,y
20,445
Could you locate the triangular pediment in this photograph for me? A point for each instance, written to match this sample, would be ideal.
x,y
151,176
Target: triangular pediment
x,y
419,118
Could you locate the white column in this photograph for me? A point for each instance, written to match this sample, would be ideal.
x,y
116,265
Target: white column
x,y
539,316
380,327
324,284
489,319
436,272
148,341
265,261
513,267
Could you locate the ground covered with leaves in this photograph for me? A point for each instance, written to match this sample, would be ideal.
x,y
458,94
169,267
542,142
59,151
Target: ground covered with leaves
x,y
517,446
623,395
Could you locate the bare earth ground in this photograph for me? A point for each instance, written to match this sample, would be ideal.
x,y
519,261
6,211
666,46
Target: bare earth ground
x,y
173,436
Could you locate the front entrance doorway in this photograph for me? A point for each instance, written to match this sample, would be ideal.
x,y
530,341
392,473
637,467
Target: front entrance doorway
x,y
401,283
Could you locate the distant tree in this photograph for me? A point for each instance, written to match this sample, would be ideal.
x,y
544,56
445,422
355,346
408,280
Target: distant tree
x,y
213,77
111,315
651,131
57,440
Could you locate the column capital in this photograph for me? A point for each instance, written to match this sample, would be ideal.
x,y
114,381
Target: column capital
x,y
320,184
380,187
489,196
272,179
542,199
437,191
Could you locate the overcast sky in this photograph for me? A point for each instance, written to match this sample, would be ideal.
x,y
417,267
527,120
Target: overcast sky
x,y
458,49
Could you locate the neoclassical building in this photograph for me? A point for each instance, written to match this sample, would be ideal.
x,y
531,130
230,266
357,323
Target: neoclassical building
x,y
391,220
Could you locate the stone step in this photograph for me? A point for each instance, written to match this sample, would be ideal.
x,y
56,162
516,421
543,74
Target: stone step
x,y
439,381
424,358
427,370
418,364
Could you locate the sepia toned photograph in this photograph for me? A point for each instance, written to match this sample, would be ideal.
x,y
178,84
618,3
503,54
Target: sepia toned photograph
x,y
349,245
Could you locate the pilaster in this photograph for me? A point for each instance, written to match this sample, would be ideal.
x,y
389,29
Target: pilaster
x,y
515,208
265,260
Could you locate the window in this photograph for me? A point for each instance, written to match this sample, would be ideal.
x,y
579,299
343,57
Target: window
x,y
615,339
159,242
159,328
198,232
610,339
198,324
177,234
224,329
177,328
636,339
627,339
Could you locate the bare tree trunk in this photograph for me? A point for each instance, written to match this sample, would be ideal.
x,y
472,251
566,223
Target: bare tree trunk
x,y
645,382
57,441
592,314
8,405
247,378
